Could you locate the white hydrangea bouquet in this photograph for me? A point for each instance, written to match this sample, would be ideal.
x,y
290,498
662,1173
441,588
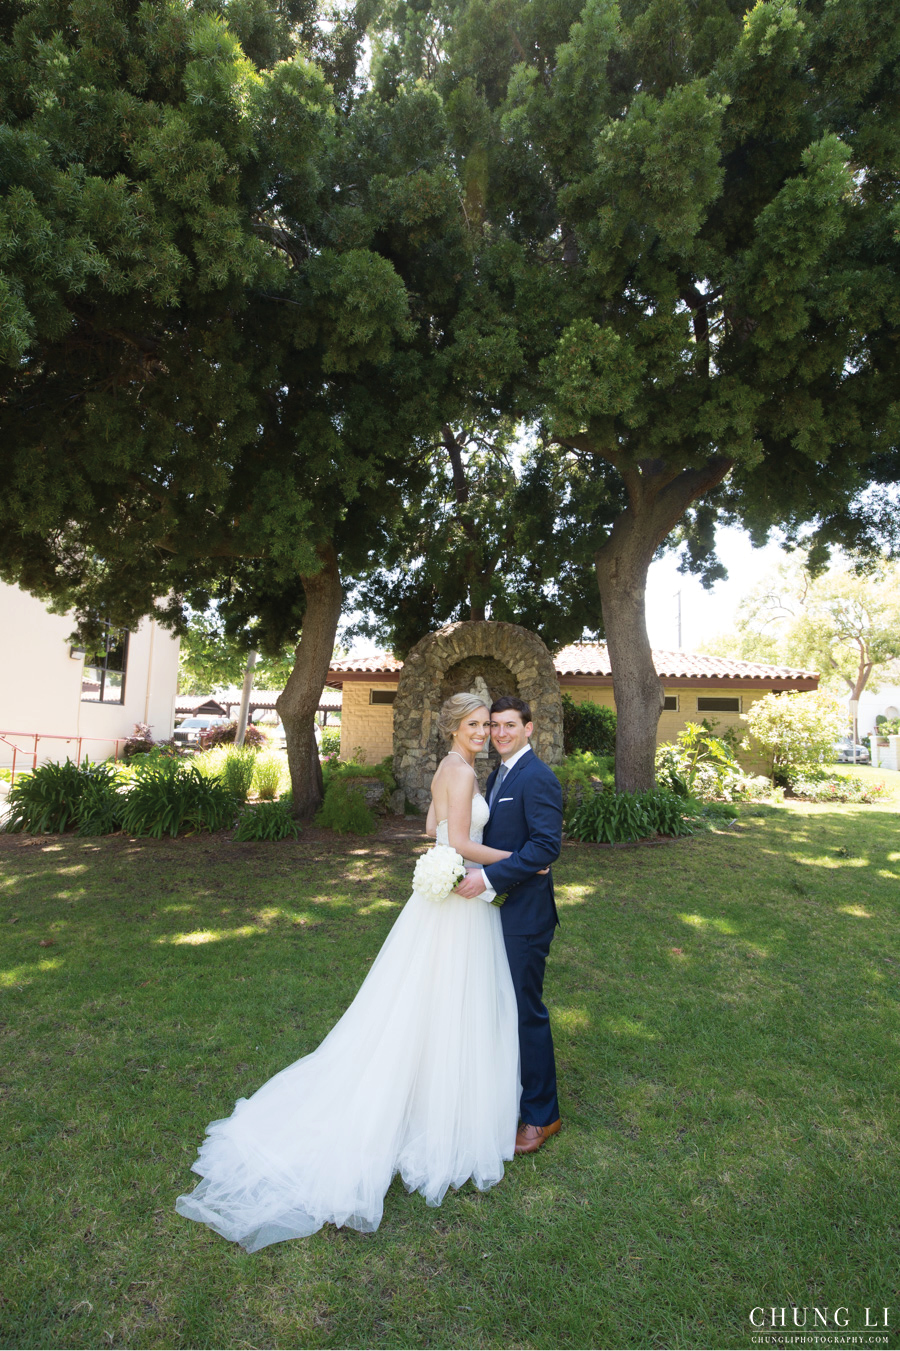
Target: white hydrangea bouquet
x,y
438,872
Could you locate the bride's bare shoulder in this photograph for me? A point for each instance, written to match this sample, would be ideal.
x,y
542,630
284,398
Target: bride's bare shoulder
x,y
451,774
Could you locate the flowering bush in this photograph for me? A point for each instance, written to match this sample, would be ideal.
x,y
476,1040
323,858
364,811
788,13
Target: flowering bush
x,y
218,736
837,788
795,730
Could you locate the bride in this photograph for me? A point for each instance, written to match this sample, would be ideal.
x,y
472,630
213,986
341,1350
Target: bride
x,y
420,1075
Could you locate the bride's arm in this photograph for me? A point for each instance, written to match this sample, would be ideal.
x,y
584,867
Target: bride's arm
x,y
431,819
459,819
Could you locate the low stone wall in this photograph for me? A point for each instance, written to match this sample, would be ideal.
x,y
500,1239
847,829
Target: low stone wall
x,y
497,658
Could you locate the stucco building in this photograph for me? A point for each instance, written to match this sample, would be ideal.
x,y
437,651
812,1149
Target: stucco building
x,y
78,703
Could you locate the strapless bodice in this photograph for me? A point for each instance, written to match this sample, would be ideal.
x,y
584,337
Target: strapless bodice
x,y
480,813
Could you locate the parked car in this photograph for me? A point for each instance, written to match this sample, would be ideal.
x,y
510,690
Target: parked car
x,y
843,752
188,731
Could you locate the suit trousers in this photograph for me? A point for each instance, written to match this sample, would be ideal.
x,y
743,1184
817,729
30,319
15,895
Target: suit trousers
x,y
527,954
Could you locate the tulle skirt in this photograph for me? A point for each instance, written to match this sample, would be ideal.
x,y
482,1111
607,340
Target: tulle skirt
x,y
420,1076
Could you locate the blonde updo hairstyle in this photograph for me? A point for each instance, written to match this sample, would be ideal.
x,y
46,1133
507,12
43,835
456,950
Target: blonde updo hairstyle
x,y
454,710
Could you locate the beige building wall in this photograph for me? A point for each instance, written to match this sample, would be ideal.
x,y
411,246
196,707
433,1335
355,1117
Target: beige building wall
x,y
40,684
673,721
366,725
371,726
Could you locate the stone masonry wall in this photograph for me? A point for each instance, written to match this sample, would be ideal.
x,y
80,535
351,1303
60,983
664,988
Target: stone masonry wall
x,y
513,657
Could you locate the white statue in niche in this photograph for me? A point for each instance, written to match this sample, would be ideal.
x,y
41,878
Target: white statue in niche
x,y
479,687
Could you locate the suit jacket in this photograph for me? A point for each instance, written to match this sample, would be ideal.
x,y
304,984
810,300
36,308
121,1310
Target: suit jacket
x,y
526,818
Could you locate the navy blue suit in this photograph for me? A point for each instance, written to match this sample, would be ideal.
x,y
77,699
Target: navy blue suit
x,y
526,817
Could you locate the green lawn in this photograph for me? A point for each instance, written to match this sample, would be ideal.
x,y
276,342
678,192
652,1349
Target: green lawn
x,y
728,1035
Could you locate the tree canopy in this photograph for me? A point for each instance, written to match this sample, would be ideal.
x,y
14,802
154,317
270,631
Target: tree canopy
x,y
685,215
213,383
843,623
490,535
242,292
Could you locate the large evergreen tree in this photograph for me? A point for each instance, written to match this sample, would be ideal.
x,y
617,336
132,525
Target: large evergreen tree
x,y
686,215
211,380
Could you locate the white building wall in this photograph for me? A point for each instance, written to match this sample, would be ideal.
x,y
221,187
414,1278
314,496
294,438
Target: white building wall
x,y
884,700
40,684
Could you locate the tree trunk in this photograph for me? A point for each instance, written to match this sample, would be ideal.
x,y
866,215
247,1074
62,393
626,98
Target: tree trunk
x,y
621,567
658,496
299,700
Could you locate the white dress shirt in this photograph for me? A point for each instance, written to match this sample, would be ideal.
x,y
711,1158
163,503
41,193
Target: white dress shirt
x,y
513,760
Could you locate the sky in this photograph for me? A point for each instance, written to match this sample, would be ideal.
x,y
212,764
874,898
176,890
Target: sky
x,y
704,614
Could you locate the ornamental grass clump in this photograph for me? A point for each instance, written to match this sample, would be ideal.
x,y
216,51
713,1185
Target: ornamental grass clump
x,y
268,772
168,797
266,821
237,771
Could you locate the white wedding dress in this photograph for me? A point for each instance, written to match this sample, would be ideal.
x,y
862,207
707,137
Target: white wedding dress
x,y
420,1076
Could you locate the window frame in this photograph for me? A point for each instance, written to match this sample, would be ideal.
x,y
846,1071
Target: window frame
x,y
387,699
720,699
105,670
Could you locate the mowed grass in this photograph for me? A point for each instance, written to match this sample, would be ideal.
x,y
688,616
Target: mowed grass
x,y
727,1026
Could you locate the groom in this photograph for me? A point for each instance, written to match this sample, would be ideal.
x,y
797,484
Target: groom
x,y
525,799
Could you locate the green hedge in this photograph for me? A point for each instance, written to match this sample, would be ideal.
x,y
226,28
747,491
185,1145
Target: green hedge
x,y
588,727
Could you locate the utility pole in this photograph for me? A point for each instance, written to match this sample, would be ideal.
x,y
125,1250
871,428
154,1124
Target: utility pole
x,y
678,598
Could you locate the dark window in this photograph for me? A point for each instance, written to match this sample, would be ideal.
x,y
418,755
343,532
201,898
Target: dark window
x,y
103,681
709,705
382,696
670,703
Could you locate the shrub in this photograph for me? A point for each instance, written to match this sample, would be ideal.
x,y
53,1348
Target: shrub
x,y
62,796
225,735
344,809
583,772
588,727
619,818
700,764
332,769
886,726
331,741
795,730
237,771
140,741
267,775
167,797
266,821
837,788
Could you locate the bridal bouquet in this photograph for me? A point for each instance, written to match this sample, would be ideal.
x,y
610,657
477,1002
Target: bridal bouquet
x,y
438,872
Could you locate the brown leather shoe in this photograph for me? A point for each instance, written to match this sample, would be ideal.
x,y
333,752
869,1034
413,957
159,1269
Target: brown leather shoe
x,y
530,1138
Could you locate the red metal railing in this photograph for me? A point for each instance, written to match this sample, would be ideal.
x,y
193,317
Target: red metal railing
x,y
25,753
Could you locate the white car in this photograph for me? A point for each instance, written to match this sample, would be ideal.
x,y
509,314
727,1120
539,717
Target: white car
x,y
188,731
843,752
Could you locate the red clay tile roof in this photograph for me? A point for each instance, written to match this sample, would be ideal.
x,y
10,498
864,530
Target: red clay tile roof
x,y
382,663
592,659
